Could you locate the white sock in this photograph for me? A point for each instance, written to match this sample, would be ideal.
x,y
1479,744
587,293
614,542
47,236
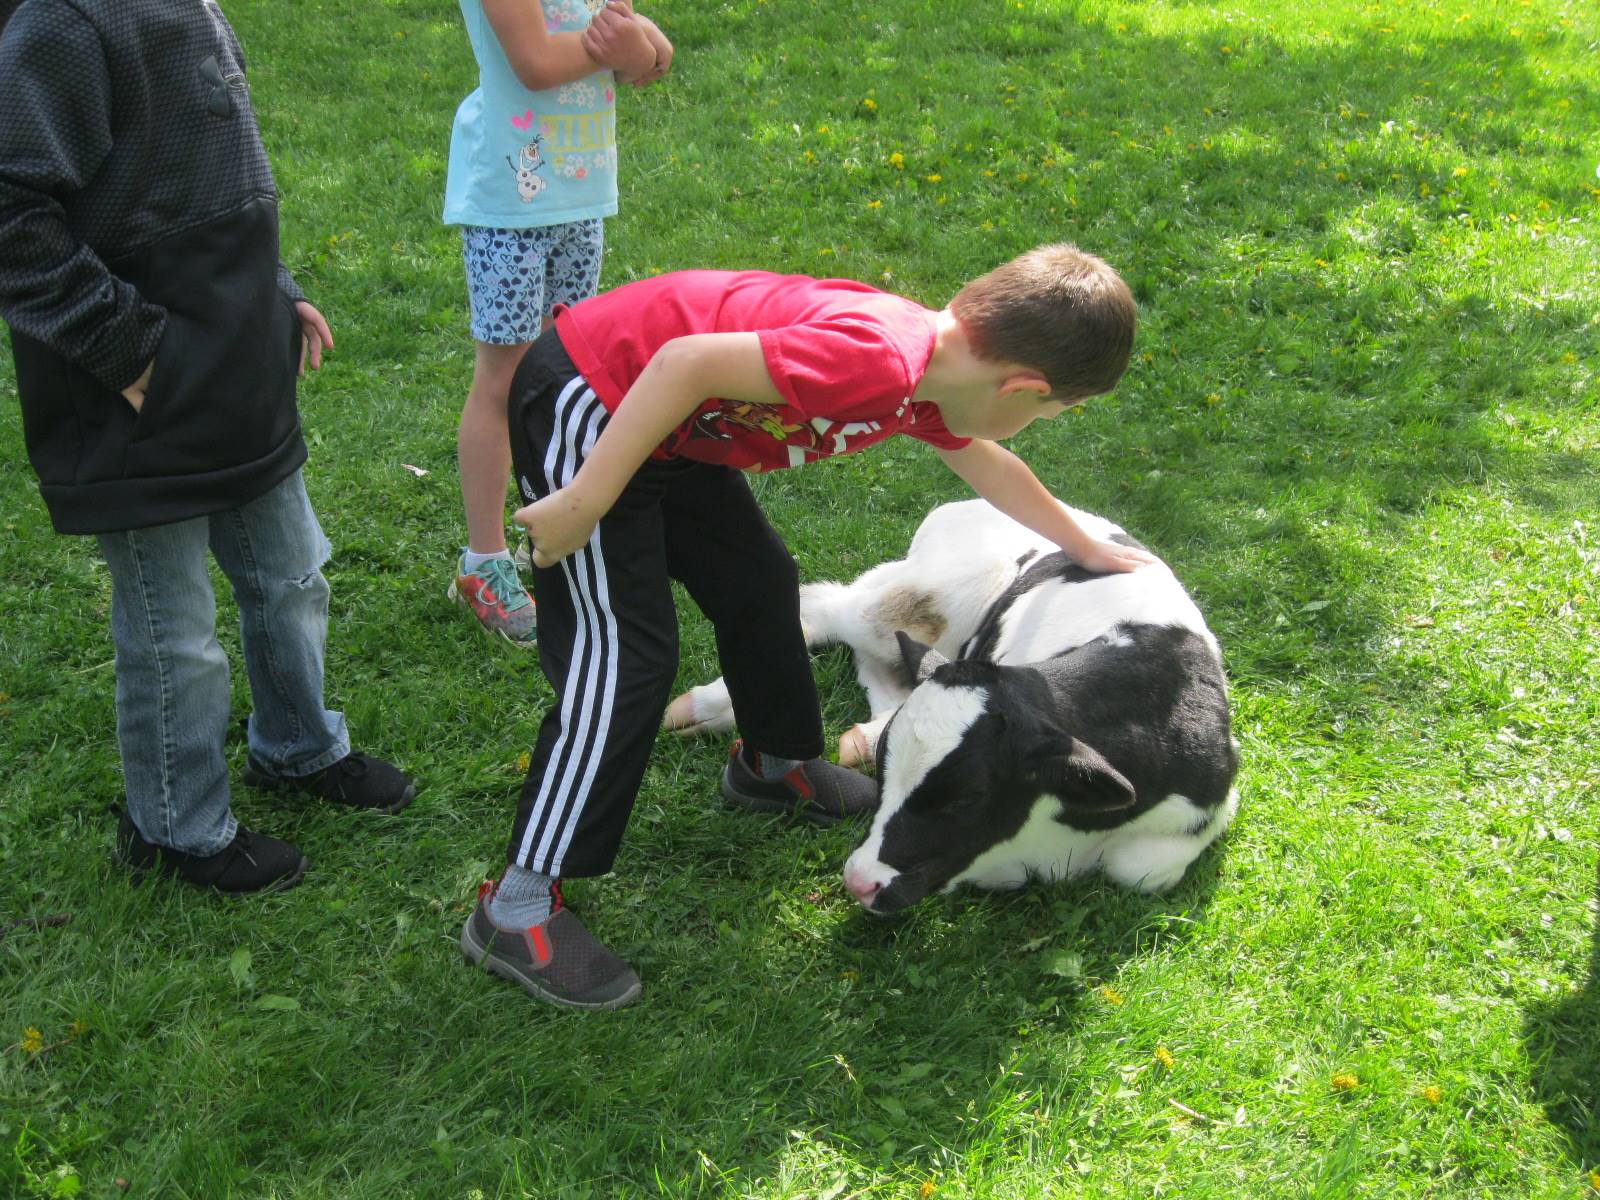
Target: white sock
x,y
471,560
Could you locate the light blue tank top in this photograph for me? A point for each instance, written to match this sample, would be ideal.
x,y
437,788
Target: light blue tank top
x,y
520,159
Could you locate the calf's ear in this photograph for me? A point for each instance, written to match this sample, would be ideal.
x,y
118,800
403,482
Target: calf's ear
x,y
1085,781
918,661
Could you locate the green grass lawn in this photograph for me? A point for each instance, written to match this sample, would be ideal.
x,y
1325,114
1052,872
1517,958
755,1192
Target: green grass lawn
x,y
1361,424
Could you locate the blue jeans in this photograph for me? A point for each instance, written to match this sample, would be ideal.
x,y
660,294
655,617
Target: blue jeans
x,y
173,693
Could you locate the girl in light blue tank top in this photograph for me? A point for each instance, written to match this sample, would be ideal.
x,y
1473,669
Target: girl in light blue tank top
x,y
533,174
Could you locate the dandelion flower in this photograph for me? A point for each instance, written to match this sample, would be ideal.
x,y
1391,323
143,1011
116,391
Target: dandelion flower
x,y
874,203
524,761
869,104
1432,1094
1214,399
1110,994
1344,1081
32,1040
935,178
897,160
926,1189
79,1027
1164,1057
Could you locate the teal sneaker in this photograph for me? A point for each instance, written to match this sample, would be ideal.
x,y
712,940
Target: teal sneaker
x,y
497,598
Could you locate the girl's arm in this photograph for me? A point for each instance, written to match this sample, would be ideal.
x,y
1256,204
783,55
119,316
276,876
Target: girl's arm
x,y
681,376
1005,481
541,59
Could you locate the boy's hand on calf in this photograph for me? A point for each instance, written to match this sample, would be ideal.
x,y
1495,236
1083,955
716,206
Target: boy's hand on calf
x,y
1113,557
556,525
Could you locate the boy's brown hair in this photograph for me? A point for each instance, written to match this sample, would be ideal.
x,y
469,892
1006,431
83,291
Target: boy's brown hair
x,y
1056,310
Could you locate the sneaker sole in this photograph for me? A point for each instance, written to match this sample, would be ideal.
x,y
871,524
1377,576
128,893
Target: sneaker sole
x,y
454,595
795,811
478,955
267,783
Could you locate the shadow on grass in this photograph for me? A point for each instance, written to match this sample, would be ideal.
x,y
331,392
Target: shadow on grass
x,y
1563,1043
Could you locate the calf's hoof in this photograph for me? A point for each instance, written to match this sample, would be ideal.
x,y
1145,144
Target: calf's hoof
x,y
680,714
855,750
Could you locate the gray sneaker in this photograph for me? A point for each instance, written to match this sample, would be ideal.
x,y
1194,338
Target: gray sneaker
x,y
559,961
818,791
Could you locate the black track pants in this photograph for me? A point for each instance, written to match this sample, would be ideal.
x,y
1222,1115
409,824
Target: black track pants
x,y
608,632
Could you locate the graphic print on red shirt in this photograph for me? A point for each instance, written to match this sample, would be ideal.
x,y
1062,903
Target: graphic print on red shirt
x,y
846,358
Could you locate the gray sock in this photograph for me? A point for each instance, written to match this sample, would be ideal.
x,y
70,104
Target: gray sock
x,y
769,766
522,900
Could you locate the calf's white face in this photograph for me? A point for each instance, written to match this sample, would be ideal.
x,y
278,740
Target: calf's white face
x,y
962,764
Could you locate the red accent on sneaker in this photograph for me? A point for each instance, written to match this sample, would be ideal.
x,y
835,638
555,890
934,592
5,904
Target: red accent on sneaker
x,y
557,900
798,781
486,890
539,944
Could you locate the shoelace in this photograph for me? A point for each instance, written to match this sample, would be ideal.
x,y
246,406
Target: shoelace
x,y
502,576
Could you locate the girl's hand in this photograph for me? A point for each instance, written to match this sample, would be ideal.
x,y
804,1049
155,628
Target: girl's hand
x,y
556,525
616,39
663,49
1111,558
315,336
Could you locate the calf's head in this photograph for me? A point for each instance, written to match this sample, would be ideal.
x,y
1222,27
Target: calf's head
x,y
961,765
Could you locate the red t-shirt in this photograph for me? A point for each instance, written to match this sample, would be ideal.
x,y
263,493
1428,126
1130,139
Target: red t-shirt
x,y
846,358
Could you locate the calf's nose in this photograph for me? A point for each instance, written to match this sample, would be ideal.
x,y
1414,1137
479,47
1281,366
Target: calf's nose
x,y
862,888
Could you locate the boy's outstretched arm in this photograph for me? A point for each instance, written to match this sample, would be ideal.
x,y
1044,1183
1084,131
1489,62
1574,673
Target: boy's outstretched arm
x,y
1006,482
681,376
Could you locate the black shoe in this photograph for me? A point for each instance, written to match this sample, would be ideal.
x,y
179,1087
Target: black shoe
x,y
818,791
358,780
252,862
559,961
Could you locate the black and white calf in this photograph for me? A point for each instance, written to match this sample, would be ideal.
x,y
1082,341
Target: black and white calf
x,y
1031,720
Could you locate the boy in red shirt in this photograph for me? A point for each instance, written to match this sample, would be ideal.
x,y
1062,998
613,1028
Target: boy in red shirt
x,y
630,423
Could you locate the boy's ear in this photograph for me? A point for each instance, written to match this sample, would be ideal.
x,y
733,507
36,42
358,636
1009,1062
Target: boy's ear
x,y
1024,380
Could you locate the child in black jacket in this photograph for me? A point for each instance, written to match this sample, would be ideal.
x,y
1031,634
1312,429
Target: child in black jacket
x,y
157,339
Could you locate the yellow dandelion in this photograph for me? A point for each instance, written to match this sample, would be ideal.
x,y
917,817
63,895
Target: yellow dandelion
x,y
1459,172
32,1040
79,1027
1432,1094
1227,49
869,104
1341,176
849,976
897,160
874,203
1214,399
823,129
936,178
1164,1057
1425,191
524,761
1594,1180
1110,994
1344,1081
926,1189
1569,358
990,175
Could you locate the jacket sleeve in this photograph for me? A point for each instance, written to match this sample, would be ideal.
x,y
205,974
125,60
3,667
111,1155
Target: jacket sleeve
x,y
55,132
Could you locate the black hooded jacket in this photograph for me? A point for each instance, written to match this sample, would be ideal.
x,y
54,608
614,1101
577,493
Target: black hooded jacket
x,y
139,221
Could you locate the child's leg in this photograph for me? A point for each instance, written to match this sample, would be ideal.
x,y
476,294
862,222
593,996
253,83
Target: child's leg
x,y
482,451
733,563
736,568
608,636
172,686
272,550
